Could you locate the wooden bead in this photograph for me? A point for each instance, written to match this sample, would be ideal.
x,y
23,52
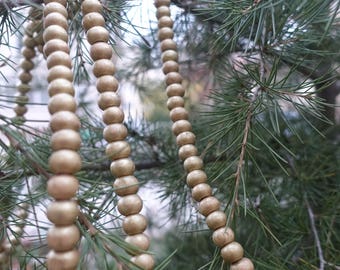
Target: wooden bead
x,y
62,260
64,120
115,132
187,151
186,137
62,2
126,185
196,177
173,77
232,252
169,55
60,72
175,89
144,261
174,102
108,99
93,19
223,236
62,187
62,102
28,53
97,34
27,65
134,224
55,45
103,67
28,41
159,3
62,213
55,18
201,191
179,113
216,219
208,205
168,44
25,77
59,86
165,33
165,21
101,50
20,110
59,58
23,88
64,162
21,100
243,264
162,11
130,205
107,84
122,167
193,163
89,6
65,139
118,150
55,32
113,115
170,66
140,242
55,7
181,126
63,238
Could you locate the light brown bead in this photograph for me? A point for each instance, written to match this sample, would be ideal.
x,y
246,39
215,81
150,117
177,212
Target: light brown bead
x,y
179,113
159,3
208,205
232,252
201,191
122,167
103,67
243,264
20,110
186,137
55,45
28,53
64,120
165,33
165,21
108,99
113,115
21,100
55,32
216,219
223,236
118,150
181,126
162,11
58,86
97,34
62,260
168,44
187,151
28,41
193,163
65,139
130,205
172,78
63,238
126,185
101,50
144,261
89,6
196,177
55,7
115,132
27,65
59,58
107,84
175,101
62,213
140,242
55,18
175,89
170,66
93,19
62,2
64,162
62,102
62,187
134,224
23,88
60,72
25,77
169,55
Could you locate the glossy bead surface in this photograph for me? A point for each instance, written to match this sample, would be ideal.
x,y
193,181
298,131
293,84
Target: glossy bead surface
x,y
179,113
186,137
63,238
201,191
175,101
64,120
59,58
165,33
134,224
170,55
62,102
65,139
60,72
113,115
107,84
140,242
216,219
181,126
243,264
115,132
175,89
165,21
223,236
208,205
93,19
55,7
144,261
91,6
64,162
173,77
60,86
186,151
162,11
122,167
62,187
62,260
170,66
103,67
232,252
55,32
129,205
126,185
101,50
193,163
118,150
168,44
62,213
196,177
97,34
55,18
54,45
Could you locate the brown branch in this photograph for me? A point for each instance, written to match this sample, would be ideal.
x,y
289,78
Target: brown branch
x,y
84,220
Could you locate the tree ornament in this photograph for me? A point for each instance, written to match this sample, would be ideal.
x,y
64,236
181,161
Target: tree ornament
x,y
232,252
243,264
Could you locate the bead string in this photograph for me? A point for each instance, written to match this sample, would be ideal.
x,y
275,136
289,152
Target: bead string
x,y
64,161
209,206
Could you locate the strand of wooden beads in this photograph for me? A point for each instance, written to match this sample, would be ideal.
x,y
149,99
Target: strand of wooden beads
x,y
64,161
115,133
209,206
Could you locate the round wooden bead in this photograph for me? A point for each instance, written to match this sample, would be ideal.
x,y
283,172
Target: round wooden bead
x,y
208,205
23,88
130,205
115,132
201,191
101,50
59,86
122,167
55,45
169,55
196,177
28,53
193,163
140,242
179,113
103,67
27,65
62,102
97,34
223,236
89,6
62,187
55,32
63,238
20,110
175,89
113,115
162,11
65,139
165,21
62,2
21,100
118,150
173,77
159,3
55,7
243,264
28,41
174,102
144,261
126,185
168,44
64,162
187,151
108,99
67,260
232,252
62,213
181,126
165,33
93,19
59,58
186,137
55,18
107,83
64,120
216,219
25,77
134,224
60,72
170,66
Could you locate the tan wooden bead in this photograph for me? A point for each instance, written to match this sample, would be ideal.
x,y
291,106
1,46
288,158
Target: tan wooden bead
x,y
27,65
162,11
181,126
130,205
93,19
196,177
134,224
113,115
232,252
165,21
63,260
223,236
208,205
173,78
64,120
159,3
201,191
62,2
63,238
89,6
55,7
21,100
64,162
101,50
187,151
118,150
25,77
170,66
144,261
62,187
97,34
60,72
186,137
107,83
59,58
62,102
28,41
55,45
62,213
65,139
55,32
23,88
55,18
39,40
58,86
169,55
28,53
20,110
216,219
243,264
108,99
103,67
140,242
179,113
175,101
115,132
193,163
126,185
168,44
122,167
165,33
175,89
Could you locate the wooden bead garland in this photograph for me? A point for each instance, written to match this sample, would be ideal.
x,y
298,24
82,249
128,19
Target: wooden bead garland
x,y
115,133
231,252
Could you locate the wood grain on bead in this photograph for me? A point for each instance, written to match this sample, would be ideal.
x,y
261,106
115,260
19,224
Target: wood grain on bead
x,y
59,58
216,220
64,120
130,204
55,7
196,177
55,18
118,150
169,55
113,115
64,162
175,89
97,34
193,163
223,236
187,151
62,102
115,132
54,45
62,187
89,6
175,101
165,33
60,85
179,113
107,83
208,205
162,11
62,213
122,167
65,139
168,44
134,224
186,137
140,243
243,264
63,238
170,66
173,78
55,32
232,252
103,67
144,261
181,126
60,72
126,185
101,50
93,19
62,260
165,21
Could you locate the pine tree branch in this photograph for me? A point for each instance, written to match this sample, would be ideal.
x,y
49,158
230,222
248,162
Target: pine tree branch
x,y
17,3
